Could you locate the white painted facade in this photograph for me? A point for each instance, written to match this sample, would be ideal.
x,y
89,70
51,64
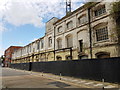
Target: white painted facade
x,y
77,30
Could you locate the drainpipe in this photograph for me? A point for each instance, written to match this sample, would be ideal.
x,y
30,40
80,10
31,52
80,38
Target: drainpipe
x,y
71,52
90,32
54,42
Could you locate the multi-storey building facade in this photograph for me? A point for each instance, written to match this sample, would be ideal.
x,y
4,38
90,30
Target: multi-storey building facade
x,y
8,54
88,32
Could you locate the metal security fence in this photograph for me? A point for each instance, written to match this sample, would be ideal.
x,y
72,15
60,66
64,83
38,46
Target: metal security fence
x,y
95,69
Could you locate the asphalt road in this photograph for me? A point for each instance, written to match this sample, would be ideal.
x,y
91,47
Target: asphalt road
x,y
20,79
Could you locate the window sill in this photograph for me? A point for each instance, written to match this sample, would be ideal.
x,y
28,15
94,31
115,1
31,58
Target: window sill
x,y
79,25
69,29
103,41
59,33
97,17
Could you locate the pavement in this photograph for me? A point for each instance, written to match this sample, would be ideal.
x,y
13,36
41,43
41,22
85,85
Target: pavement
x,y
65,80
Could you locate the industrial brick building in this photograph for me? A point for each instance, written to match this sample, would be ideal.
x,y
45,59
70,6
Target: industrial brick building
x,y
8,54
88,32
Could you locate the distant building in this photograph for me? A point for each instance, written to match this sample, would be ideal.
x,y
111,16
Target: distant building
x,y
88,32
8,54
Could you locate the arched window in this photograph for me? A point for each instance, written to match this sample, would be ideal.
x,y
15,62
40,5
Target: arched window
x,y
50,41
102,55
59,58
59,43
70,25
59,29
83,57
69,40
68,57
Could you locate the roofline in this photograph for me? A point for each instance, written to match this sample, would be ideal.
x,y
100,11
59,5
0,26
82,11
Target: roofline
x,y
52,18
13,46
85,6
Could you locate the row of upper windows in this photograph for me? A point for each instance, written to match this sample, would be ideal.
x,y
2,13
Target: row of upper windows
x,y
101,35
39,45
83,19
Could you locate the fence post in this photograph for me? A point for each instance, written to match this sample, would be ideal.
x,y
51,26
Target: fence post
x,y
60,75
103,83
42,73
118,86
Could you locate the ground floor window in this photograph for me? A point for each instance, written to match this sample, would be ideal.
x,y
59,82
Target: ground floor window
x,y
68,57
103,55
83,57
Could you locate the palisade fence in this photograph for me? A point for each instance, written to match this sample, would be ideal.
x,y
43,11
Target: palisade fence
x,y
95,69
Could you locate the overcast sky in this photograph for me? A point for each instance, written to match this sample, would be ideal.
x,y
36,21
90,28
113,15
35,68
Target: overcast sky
x,y
23,21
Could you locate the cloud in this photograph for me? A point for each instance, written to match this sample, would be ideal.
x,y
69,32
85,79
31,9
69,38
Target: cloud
x,y
1,52
33,39
2,27
35,12
20,43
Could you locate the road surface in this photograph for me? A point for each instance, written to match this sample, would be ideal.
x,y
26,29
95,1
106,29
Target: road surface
x,y
19,79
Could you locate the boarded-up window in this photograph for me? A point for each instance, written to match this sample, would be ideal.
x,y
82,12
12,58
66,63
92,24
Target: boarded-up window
x,y
42,43
50,41
59,43
59,29
70,25
69,41
82,20
38,45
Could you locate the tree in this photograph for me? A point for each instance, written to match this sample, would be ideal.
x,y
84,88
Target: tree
x,y
115,13
2,59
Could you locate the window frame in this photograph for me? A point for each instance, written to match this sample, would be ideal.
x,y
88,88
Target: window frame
x,y
97,12
103,34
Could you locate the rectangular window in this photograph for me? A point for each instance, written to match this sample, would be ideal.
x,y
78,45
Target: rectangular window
x,y
27,49
30,48
102,34
59,44
42,43
82,20
100,11
50,41
38,45
69,42
81,45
